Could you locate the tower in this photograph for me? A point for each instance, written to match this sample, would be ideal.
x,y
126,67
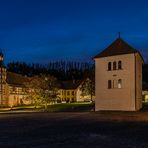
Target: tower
x,y
118,78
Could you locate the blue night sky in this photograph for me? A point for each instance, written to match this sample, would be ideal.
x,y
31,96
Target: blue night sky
x,y
44,30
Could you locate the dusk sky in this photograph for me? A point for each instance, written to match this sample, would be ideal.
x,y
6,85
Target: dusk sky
x,y
45,30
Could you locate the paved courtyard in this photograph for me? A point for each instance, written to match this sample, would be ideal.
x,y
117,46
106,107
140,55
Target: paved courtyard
x,y
74,130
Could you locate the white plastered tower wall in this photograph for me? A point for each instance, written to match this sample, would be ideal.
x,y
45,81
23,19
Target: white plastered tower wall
x,y
129,96
138,79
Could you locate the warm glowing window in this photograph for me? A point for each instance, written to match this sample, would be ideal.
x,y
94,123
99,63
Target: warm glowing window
x,y
109,84
119,65
114,65
119,83
109,66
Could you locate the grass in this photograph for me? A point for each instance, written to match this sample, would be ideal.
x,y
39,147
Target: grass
x,y
70,107
61,107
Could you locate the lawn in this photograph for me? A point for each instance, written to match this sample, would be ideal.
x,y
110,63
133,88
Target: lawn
x,y
70,107
61,107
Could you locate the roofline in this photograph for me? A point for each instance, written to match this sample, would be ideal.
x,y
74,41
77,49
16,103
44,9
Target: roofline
x,y
141,57
119,54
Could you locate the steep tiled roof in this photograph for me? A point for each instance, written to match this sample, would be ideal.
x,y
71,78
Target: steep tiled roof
x,y
119,46
70,84
16,79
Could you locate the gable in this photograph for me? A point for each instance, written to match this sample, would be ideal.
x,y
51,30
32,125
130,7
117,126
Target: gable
x,y
118,47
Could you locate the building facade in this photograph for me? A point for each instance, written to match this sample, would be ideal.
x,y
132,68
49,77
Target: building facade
x,y
12,89
70,91
118,74
14,92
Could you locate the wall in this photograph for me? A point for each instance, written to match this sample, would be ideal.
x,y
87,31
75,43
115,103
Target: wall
x,y
17,96
68,95
115,99
138,75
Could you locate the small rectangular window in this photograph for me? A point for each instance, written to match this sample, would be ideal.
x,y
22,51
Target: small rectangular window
x,y
119,65
109,66
68,93
114,65
109,84
119,83
73,93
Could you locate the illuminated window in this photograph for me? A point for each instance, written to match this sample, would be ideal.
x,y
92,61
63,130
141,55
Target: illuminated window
x,y
114,65
109,66
119,83
109,84
119,65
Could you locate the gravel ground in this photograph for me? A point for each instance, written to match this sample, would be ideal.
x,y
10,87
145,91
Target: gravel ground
x,y
74,130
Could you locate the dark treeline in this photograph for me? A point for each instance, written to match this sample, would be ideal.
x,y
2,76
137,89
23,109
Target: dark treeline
x,y
145,76
62,70
145,73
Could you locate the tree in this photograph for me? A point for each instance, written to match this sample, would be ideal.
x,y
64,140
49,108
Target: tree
x,y
43,89
48,89
32,90
88,88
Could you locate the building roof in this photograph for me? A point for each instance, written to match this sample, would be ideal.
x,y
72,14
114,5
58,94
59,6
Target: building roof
x,y
16,79
19,80
118,47
71,84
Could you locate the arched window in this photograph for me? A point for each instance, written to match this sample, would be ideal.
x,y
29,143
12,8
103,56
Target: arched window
x,y
119,65
109,66
114,65
119,83
109,84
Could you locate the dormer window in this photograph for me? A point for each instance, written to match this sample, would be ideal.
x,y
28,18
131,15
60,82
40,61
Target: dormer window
x,y
109,66
119,65
114,65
